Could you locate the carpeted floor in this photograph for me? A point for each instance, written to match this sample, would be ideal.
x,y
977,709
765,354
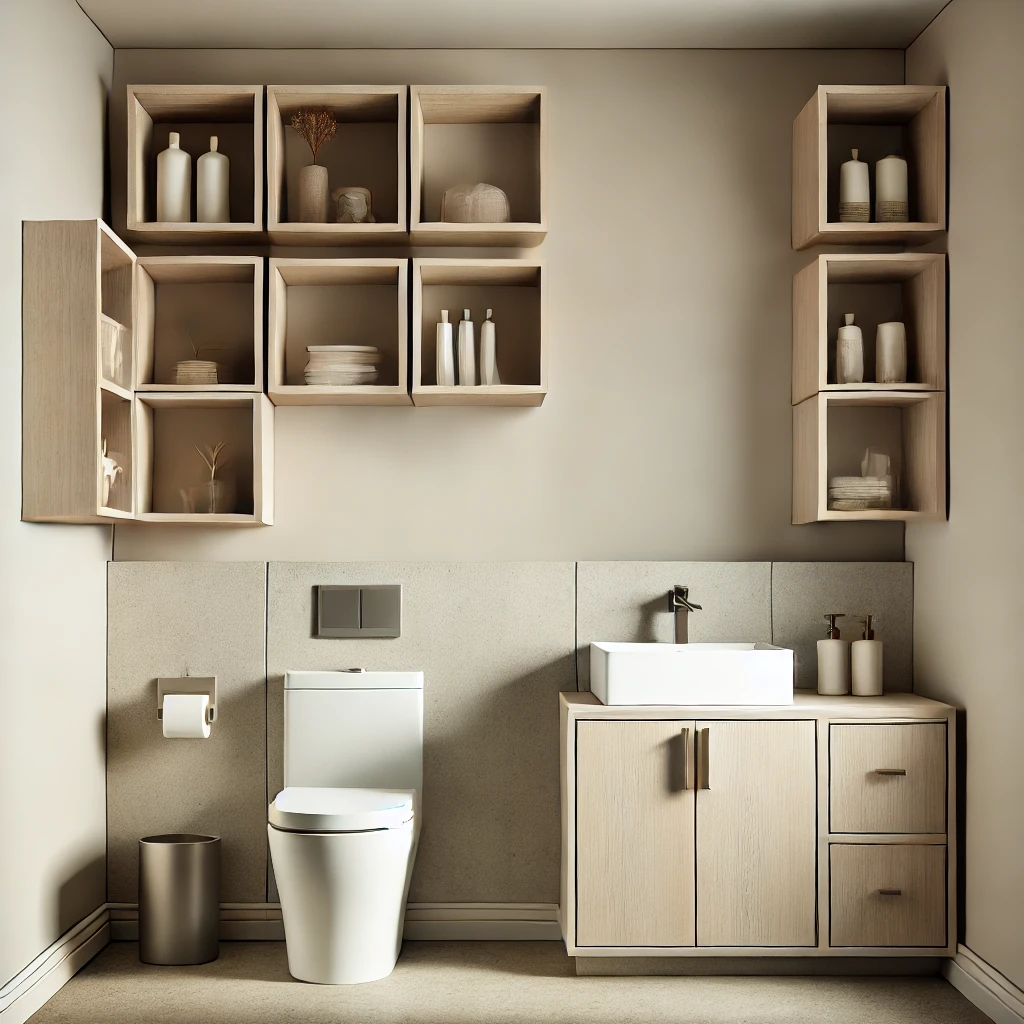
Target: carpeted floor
x,y
478,983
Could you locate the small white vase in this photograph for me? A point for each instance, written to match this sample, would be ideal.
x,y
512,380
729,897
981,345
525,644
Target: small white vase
x,y
445,356
212,172
891,353
313,194
850,353
488,352
173,183
854,191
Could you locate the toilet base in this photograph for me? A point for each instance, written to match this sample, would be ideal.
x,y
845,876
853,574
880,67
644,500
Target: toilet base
x,y
343,898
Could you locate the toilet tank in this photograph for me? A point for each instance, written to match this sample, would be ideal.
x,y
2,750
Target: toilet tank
x,y
354,729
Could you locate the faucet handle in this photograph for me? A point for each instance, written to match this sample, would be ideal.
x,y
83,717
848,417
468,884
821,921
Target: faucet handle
x,y
679,598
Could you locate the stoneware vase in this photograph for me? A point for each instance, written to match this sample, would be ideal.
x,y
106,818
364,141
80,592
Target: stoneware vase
x,y
313,194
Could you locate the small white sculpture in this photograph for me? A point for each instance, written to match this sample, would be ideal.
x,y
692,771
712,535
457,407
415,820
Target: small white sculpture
x,y
354,205
110,471
475,204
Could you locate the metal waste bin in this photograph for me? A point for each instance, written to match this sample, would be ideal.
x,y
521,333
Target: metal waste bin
x,y
179,899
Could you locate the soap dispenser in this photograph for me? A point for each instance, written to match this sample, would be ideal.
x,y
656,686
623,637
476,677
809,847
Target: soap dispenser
x,y
833,660
866,662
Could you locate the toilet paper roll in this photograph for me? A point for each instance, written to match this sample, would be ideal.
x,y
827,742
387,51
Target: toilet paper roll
x,y
185,716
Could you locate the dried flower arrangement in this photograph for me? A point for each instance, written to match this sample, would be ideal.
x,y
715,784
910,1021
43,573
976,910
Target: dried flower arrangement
x,y
212,457
315,125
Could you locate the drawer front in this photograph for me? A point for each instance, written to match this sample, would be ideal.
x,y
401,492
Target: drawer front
x,y
887,778
887,895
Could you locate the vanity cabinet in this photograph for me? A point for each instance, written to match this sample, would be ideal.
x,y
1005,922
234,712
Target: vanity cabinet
x,y
816,829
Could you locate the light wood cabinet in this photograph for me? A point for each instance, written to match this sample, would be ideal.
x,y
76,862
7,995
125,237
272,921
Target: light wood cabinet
x,y
690,831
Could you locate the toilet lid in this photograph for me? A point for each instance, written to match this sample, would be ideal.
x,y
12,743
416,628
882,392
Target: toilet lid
x,y
316,809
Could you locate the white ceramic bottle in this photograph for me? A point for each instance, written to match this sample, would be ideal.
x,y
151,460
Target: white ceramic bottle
x,y
891,353
173,183
488,352
891,194
467,351
849,353
854,191
833,660
866,663
445,352
212,172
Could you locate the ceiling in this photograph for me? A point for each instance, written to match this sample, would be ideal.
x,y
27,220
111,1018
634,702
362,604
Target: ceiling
x,y
533,24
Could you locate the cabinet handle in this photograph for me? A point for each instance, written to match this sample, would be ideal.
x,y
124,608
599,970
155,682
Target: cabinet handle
x,y
703,758
686,757
890,892
890,771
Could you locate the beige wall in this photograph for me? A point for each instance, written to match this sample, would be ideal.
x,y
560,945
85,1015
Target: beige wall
x,y
970,571
55,70
667,430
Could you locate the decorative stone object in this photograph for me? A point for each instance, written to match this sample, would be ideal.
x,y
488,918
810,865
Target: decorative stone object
x,y
475,204
854,191
354,204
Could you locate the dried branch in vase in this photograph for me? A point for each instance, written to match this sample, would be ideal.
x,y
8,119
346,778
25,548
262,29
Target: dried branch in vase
x,y
212,457
316,126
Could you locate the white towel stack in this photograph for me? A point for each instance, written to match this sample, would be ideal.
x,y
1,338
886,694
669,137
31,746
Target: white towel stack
x,y
857,493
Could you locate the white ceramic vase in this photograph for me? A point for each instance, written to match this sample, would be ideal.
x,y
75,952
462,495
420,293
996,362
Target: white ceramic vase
x,y
313,194
891,353
445,352
891,190
173,183
212,173
850,353
854,191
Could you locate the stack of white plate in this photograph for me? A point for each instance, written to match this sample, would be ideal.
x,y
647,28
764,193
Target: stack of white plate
x,y
195,372
339,365
857,493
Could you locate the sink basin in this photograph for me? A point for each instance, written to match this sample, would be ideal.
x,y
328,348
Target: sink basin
x,y
691,674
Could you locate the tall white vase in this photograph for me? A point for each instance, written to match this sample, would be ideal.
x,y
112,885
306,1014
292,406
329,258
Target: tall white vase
x,y
313,194
850,353
467,351
173,183
212,173
445,352
488,352
891,353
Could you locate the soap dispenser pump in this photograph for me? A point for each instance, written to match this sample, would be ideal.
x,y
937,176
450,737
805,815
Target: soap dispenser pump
x,y
866,662
833,660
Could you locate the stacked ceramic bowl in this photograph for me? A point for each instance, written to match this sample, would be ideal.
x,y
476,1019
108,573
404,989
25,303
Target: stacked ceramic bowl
x,y
858,493
341,365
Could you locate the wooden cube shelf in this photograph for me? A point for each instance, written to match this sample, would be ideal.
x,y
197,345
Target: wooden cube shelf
x,y
831,430
368,150
170,426
217,301
234,113
909,120
77,281
910,287
466,134
516,291
338,302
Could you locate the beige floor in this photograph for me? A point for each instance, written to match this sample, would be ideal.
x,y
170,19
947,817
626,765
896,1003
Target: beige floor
x,y
478,983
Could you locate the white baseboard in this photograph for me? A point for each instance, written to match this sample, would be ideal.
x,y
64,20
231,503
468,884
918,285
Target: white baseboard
x,y
54,967
249,922
993,993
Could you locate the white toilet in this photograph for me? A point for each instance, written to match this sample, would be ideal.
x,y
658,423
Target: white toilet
x,y
343,831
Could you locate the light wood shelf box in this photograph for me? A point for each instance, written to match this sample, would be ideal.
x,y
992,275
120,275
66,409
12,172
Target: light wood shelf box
x,y
516,291
878,120
169,426
910,287
234,113
368,150
218,300
338,302
832,429
75,275
465,134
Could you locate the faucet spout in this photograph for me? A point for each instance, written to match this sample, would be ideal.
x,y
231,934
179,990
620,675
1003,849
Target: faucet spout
x,y
680,604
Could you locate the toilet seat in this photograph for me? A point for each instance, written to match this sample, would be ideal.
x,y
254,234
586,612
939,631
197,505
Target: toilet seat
x,y
333,810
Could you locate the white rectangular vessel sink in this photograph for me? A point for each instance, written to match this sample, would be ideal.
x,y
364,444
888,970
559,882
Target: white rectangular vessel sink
x,y
691,674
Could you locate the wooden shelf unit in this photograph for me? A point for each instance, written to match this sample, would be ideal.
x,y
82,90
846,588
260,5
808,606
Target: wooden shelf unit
x,y
338,302
465,134
234,113
170,425
516,291
216,299
368,150
831,431
907,119
75,274
910,287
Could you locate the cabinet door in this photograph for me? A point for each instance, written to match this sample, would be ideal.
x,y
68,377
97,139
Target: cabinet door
x,y
634,834
756,834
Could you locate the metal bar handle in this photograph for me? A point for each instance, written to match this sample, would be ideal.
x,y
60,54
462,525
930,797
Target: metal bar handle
x,y
890,771
703,758
890,892
686,757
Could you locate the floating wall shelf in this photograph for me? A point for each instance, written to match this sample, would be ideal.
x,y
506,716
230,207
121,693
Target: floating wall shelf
x,y
516,291
881,119
369,150
338,302
465,134
234,113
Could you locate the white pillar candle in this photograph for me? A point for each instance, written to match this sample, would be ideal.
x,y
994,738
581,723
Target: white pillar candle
x,y
891,194
854,191
891,353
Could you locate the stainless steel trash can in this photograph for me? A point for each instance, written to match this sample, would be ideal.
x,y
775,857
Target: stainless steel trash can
x,y
179,899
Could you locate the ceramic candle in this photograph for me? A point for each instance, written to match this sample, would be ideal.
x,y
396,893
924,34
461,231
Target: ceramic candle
x,y
854,191
891,203
891,353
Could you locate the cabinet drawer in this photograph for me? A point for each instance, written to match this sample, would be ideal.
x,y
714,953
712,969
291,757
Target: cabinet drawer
x,y
887,778
887,895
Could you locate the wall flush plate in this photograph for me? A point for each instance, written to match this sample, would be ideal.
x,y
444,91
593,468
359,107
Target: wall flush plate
x,y
356,612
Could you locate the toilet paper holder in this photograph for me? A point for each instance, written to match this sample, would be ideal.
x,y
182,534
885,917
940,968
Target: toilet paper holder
x,y
188,684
